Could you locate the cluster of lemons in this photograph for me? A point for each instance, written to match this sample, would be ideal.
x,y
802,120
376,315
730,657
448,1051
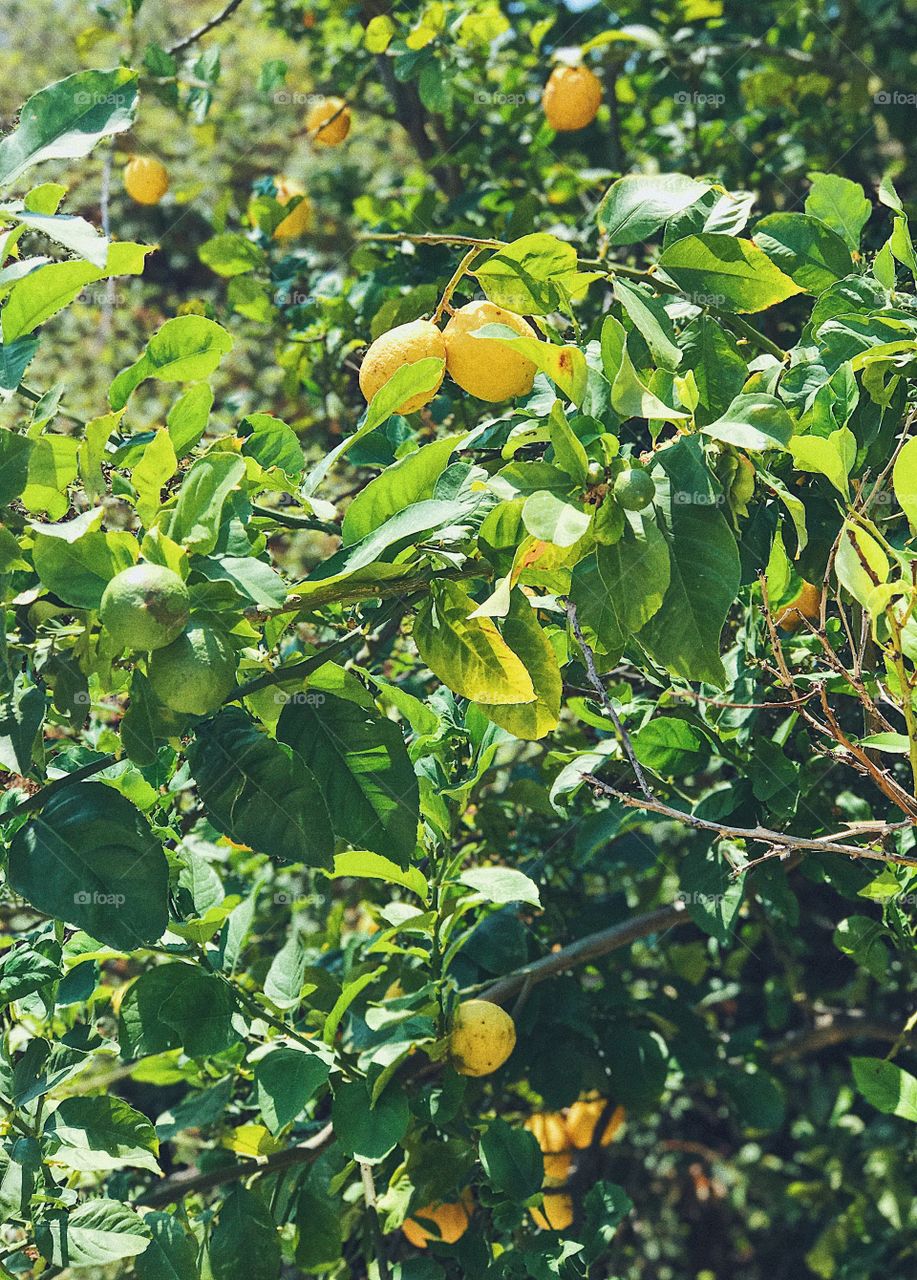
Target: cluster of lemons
x,y
560,1134
483,367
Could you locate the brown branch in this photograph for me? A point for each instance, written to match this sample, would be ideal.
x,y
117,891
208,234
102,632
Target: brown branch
x,y
188,1181
832,1031
585,950
757,835
192,38
589,658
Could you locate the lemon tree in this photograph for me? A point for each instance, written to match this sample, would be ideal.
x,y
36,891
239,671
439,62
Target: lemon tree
x,y
458,727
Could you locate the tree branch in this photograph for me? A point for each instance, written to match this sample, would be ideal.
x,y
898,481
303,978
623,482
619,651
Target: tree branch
x,y
192,38
756,835
585,950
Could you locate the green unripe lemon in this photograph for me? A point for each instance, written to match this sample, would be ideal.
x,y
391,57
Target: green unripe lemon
x,y
634,489
145,607
196,672
595,473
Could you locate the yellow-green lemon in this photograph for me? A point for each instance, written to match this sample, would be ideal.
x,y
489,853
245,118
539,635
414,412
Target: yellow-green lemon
x,y
485,367
483,1036
571,98
195,673
145,180
144,607
405,344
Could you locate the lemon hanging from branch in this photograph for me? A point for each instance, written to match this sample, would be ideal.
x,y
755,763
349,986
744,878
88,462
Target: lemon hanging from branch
x,y
483,1036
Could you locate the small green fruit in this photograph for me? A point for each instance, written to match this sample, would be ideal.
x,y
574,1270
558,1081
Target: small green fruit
x,y
595,473
145,607
634,489
196,673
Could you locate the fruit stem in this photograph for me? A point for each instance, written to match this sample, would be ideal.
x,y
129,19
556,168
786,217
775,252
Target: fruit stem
x,y
457,275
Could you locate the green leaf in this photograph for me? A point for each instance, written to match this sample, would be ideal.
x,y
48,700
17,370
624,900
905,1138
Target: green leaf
x,y
90,858
684,634
318,1217
272,443
195,520
636,1069
65,120
512,1160
629,396
713,356
44,292
14,464
636,206
365,1131
75,234
244,1244
78,571
230,254
349,993
889,1088
551,519
98,1134
533,276
467,653
634,572
726,272
184,349
24,971
530,721
172,1253
832,456
840,204
157,466
187,419
713,897
409,480
904,480
501,885
648,315
860,563
757,422
96,1233
285,979
260,792
287,1079
363,864
362,769
176,1006
807,250
139,726
671,747
22,711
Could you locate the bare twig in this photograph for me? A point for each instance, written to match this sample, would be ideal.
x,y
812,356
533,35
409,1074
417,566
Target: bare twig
x,y
757,835
192,38
594,680
375,1230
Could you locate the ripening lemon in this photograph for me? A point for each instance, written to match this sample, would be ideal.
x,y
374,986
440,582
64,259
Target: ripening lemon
x,y
405,344
584,1116
195,673
299,219
806,602
549,1130
145,180
451,1221
337,114
557,1168
485,367
145,607
571,98
482,1038
556,1214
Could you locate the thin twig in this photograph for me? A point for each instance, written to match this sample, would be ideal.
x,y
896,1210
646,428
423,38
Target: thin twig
x,y
192,38
375,1230
757,835
589,659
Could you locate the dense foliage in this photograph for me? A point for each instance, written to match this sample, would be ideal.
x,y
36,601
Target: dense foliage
x,y
476,840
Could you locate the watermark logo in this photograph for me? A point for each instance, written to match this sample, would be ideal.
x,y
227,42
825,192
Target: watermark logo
x,y
302,698
85,898
685,99
894,98
85,99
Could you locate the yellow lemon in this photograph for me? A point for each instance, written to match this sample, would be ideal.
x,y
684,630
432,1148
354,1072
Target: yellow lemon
x,y
299,219
571,98
584,1116
483,1036
549,1130
482,366
336,113
145,180
556,1214
557,1168
806,602
405,344
451,1221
